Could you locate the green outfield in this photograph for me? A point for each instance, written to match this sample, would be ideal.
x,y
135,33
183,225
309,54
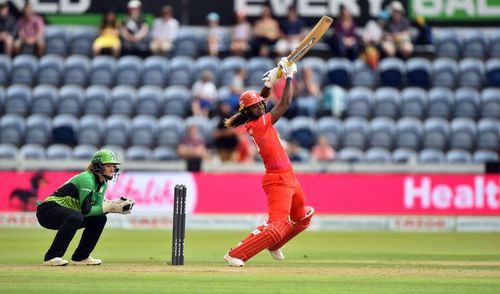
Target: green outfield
x,y
316,262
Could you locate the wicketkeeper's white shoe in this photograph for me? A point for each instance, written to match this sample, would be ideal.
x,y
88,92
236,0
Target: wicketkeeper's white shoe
x,y
277,254
56,261
233,261
87,261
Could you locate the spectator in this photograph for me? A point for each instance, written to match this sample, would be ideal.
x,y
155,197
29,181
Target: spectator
x,y
323,151
297,153
292,32
165,30
309,93
225,139
424,36
204,94
237,87
266,31
373,31
30,28
192,148
215,39
345,41
7,28
108,35
240,34
134,30
397,37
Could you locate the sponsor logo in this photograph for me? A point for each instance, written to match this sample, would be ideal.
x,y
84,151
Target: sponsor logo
x,y
303,51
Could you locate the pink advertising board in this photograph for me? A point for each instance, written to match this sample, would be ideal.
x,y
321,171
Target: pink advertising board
x,y
348,194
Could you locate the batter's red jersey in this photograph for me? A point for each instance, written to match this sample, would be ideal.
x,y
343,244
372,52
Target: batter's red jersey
x,y
268,143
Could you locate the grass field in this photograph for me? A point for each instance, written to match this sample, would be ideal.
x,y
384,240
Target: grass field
x,y
316,262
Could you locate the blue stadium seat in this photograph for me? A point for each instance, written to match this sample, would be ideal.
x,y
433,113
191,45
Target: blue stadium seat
x,y
382,133
488,134
55,40
392,72
463,134
203,124
495,44
431,156
413,102
409,133
5,69
117,130
186,43
448,45
129,71
303,130
339,72
8,151
229,66
317,65
363,75
474,45
102,70
255,68
91,129
458,156
122,100
171,129
84,151
445,73
493,72
76,69
50,69
378,155
436,133
12,129
331,128
482,156
81,40
404,155
355,133
118,150
38,130
467,103
419,72
155,71
164,153
440,102
59,151
208,63
359,102
65,129
96,100
387,103
149,100
181,71
24,69
71,99
490,103
43,100
283,128
143,131
471,73
177,101
351,155
138,153
32,151
18,100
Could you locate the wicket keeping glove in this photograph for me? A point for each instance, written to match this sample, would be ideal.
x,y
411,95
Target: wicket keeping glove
x,y
287,67
122,206
271,77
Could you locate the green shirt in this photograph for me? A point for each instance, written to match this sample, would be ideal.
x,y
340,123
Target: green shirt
x,y
83,193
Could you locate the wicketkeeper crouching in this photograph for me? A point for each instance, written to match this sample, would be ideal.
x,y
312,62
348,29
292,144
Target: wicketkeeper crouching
x,y
79,203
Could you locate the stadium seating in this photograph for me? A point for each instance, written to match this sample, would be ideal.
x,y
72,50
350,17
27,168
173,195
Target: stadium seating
x,y
50,69
70,100
38,130
419,72
339,72
181,69
43,100
12,129
155,71
378,155
32,151
382,132
149,100
392,72
356,131
413,102
76,69
431,156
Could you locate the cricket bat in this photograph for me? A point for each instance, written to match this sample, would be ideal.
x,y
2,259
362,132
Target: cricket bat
x,y
311,39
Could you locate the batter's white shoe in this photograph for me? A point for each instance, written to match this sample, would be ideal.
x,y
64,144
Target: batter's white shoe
x,y
87,261
56,261
233,261
277,254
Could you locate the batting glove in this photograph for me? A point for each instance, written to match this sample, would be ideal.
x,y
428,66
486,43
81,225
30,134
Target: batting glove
x,y
271,77
287,67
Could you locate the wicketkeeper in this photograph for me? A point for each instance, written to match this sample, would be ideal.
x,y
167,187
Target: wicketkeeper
x,y
79,203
